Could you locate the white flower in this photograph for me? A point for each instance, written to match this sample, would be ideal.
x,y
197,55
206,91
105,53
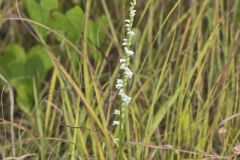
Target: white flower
x,y
132,12
127,25
127,20
133,3
116,123
130,33
128,73
128,51
124,43
123,66
122,60
119,84
126,99
117,112
121,92
120,81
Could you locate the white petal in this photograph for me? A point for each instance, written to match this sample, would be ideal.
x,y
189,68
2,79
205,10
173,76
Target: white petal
x,y
117,112
128,51
119,86
131,33
116,123
123,65
127,20
121,92
124,43
122,60
133,11
120,81
126,99
128,72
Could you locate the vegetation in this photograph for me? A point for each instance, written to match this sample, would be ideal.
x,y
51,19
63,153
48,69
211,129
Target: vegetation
x,y
59,63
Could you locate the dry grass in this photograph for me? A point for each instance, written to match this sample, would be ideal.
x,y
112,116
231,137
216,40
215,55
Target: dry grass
x,y
186,85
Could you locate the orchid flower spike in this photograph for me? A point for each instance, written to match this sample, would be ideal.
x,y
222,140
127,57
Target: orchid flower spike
x,y
126,73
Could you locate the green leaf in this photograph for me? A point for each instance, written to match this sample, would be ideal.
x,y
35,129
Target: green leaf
x,y
41,13
24,93
163,111
74,23
13,53
49,5
58,21
13,67
34,9
20,69
38,62
35,12
12,63
97,31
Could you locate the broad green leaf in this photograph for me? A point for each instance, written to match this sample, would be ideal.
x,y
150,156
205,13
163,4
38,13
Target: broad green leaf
x,y
48,5
34,9
13,67
24,93
35,12
74,23
13,53
96,35
38,62
12,62
41,12
58,21
97,31
20,69
102,30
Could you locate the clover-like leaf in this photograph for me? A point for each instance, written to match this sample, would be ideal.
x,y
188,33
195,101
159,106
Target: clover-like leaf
x,y
38,62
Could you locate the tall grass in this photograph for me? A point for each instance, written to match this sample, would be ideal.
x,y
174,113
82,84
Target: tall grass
x,y
186,86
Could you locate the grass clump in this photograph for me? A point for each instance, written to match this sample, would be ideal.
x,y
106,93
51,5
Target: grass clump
x,y
60,59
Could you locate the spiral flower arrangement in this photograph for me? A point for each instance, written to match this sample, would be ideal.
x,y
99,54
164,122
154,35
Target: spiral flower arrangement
x,y
121,84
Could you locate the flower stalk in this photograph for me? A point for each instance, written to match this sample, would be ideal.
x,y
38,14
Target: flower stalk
x,y
122,83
